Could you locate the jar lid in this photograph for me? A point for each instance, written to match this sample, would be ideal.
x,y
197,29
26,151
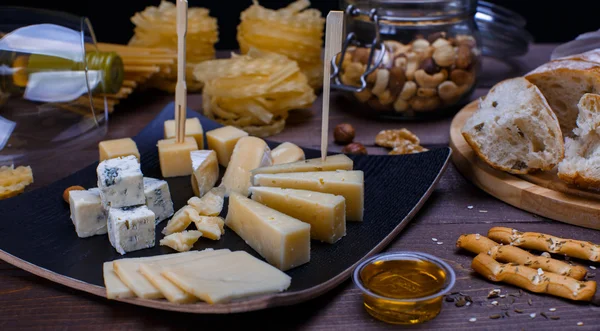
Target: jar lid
x,y
502,31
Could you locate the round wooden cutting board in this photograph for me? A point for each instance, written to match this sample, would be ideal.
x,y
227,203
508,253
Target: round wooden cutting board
x,y
540,193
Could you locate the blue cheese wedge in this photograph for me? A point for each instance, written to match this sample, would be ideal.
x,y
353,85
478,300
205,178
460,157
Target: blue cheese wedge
x,y
158,198
131,228
87,213
121,182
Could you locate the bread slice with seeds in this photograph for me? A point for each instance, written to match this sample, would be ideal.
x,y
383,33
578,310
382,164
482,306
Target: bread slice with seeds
x,y
514,129
581,165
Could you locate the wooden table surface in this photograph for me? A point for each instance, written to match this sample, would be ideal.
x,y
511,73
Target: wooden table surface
x,y
28,301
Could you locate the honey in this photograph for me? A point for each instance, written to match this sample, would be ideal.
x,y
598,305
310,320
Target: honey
x,y
404,288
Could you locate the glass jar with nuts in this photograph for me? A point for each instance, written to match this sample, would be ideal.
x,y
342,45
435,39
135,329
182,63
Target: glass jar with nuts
x,y
409,58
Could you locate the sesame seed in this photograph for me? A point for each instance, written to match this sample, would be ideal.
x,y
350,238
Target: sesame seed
x,y
551,309
592,267
469,207
477,236
545,254
473,319
540,271
439,243
579,323
468,303
503,295
483,211
532,315
434,239
495,303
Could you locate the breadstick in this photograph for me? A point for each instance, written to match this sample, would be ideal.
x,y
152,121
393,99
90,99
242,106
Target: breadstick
x,y
479,244
544,242
534,280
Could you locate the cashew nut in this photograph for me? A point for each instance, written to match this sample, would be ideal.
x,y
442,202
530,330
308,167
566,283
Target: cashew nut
x,y
381,82
425,103
408,91
450,92
412,64
396,48
425,80
444,56
386,97
426,92
440,42
420,44
400,105
364,95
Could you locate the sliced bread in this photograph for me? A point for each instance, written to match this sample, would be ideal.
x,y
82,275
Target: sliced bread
x,y
581,165
514,129
563,83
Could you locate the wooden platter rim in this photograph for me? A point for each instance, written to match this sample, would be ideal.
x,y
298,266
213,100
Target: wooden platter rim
x,y
524,193
253,304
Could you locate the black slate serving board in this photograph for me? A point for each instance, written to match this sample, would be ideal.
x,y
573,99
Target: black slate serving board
x,y
36,233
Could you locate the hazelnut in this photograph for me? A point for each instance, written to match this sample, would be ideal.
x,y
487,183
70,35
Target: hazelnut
x,y
429,66
463,57
355,148
361,55
343,133
69,189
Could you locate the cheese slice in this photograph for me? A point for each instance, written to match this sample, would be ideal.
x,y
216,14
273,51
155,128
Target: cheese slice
x,y
127,270
249,153
175,158
115,288
287,153
326,213
193,129
151,271
206,170
181,241
333,162
282,240
222,278
210,204
223,140
349,184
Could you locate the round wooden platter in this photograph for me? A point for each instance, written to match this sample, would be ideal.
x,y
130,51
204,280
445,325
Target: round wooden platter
x,y
541,193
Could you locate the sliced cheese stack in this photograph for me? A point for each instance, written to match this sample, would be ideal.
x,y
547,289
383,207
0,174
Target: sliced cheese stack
x,y
214,276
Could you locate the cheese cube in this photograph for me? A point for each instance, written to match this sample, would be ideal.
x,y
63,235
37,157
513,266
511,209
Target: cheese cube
x,y
131,228
180,221
206,170
110,149
287,153
193,129
333,162
222,278
249,153
223,140
210,226
121,182
158,198
87,213
175,157
210,204
326,213
282,240
349,184
181,241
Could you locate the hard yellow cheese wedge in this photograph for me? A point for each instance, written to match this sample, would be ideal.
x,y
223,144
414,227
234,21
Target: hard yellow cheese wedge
x,y
210,204
287,153
206,170
210,226
223,140
333,162
249,153
226,277
115,288
326,213
181,241
282,240
193,129
110,149
179,222
151,271
349,184
175,158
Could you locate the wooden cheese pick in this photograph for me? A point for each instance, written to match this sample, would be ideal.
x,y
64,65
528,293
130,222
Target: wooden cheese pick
x,y
334,31
181,88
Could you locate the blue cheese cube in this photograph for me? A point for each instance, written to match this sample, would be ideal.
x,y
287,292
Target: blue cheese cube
x,y
120,181
131,228
158,198
87,213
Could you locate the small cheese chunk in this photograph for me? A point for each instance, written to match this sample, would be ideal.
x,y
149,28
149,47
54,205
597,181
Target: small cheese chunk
x,y
151,271
349,184
158,198
193,129
220,279
249,153
131,228
128,272
179,222
110,149
326,213
287,153
181,241
175,157
333,162
210,226
210,204
121,182
206,170
115,288
282,240
223,140
87,213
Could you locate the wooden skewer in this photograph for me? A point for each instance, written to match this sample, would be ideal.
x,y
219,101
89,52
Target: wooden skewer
x,y
180,88
334,28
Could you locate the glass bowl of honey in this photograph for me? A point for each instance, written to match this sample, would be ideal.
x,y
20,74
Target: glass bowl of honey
x,y
404,287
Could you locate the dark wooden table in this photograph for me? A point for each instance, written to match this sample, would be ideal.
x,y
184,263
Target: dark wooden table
x,y
27,301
